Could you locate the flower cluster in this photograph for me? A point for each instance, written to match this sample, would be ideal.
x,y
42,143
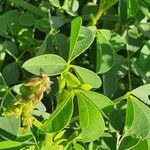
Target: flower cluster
x,y
31,93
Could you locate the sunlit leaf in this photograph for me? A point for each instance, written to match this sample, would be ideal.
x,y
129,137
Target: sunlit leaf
x,y
87,76
60,117
90,119
51,64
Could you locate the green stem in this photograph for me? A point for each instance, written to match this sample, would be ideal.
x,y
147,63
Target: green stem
x,y
37,123
97,16
129,74
49,140
118,100
129,66
65,2
118,140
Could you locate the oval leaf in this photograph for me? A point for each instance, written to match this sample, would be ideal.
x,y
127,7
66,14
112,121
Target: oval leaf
x,y
85,39
60,117
90,119
9,127
75,29
11,145
105,54
12,69
114,39
51,64
100,101
142,93
137,123
87,76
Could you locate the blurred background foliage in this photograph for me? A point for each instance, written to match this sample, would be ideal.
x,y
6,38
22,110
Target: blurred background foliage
x,y
30,28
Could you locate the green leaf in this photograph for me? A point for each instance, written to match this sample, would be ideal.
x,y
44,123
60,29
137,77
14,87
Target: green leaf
x,y
142,145
142,93
55,3
2,55
7,19
70,79
132,7
129,114
12,69
122,9
100,101
105,53
63,45
81,38
58,21
71,7
29,7
87,76
137,123
9,127
114,39
78,146
43,25
75,29
106,4
128,142
111,78
85,39
134,41
51,64
60,117
145,55
90,119
2,81
11,48
8,99
13,145
26,20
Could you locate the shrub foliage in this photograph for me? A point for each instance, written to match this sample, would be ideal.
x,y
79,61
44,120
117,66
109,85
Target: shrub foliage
x,y
75,75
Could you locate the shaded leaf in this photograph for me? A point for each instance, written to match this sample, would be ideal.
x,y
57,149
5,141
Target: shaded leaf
x,y
29,7
26,20
111,78
114,39
63,45
11,73
2,81
105,54
128,142
10,47
132,7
